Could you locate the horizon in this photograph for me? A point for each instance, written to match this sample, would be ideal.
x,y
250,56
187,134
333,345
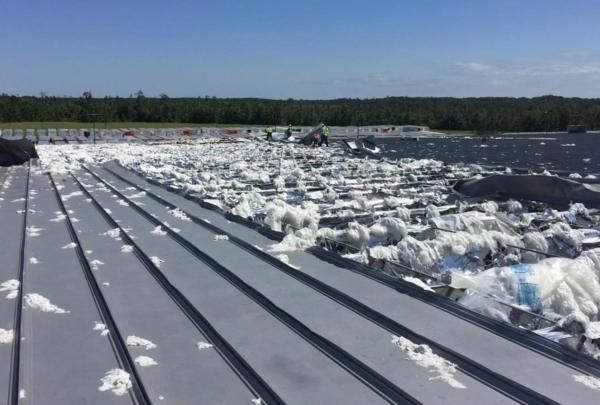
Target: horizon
x,y
133,96
308,51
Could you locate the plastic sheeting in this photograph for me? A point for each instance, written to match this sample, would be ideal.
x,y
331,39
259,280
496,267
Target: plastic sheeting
x,y
471,221
16,152
550,189
527,293
556,287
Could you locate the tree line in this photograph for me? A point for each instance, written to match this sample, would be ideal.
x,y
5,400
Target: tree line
x,y
487,114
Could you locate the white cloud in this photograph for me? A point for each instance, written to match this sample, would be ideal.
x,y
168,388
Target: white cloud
x,y
533,69
476,66
580,69
528,77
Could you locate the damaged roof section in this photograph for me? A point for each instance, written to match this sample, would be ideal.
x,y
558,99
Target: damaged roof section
x,y
404,218
166,298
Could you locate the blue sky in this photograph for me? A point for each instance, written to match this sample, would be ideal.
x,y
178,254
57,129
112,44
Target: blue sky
x,y
301,49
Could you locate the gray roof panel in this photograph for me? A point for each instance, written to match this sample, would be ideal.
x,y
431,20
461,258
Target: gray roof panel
x,y
141,308
62,358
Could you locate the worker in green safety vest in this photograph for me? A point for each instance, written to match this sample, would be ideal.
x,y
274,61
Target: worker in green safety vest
x,y
269,132
288,131
324,136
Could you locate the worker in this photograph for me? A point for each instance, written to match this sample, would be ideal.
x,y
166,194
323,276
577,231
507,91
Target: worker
x,y
288,131
316,141
324,136
269,132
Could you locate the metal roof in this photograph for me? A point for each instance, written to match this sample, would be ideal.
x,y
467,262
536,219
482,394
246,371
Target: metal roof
x,y
224,320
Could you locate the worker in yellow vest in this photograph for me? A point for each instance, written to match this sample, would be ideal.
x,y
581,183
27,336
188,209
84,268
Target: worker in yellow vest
x,y
269,132
324,136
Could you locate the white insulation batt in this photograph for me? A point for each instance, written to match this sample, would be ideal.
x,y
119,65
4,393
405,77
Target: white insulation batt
x,y
562,286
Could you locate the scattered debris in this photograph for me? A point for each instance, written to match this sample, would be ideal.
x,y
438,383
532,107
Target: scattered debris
x,y
12,286
203,345
66,197
101,327
138,341
588,381
418,282
285,259
177,213
112,233
95,264
423,356
158,231
59,218
117,381
157,261
32,231
137,195
37,301
6,336
145,361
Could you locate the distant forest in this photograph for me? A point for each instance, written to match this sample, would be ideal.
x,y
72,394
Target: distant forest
x,y
488,114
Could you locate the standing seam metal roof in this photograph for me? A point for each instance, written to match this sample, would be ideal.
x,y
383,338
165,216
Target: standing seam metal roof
x,y
227,322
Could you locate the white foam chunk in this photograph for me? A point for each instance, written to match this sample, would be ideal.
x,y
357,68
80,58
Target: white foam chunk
x,y
39,302
117,381
101,327
588,381
145,361
177,213
203,345
113,233
133,340
158,231
418,282
156,260
6,336
12,286
423,356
